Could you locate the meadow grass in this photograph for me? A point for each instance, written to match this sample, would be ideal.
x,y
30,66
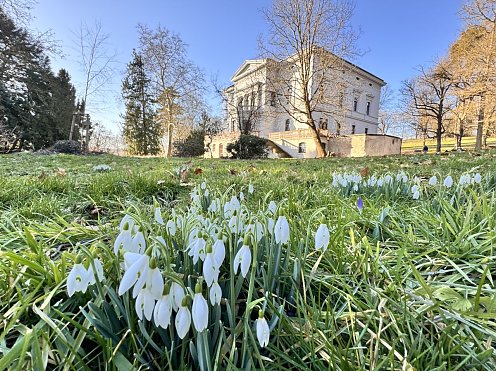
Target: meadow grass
x,y
404,284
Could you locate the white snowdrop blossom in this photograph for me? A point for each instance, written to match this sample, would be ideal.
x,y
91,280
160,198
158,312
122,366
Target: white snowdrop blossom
x,y
199,310
215,293
272,207
178,295
197,250
183,321
241,196
322,237
219,251
263,331
448,181
98,269
415,192
250,189
138,266
158,216
163,311
243,258
281,230
433,181
78,279
477,178
203,185
171,227
210,269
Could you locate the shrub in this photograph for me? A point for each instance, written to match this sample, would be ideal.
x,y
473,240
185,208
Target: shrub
x,y
192,146
248,147
67,146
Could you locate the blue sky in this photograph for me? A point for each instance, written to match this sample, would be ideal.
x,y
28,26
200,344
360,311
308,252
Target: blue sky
x,y
397,35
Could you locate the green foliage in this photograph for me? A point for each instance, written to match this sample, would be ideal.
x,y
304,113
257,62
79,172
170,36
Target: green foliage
x,y
248,147
192,146
34,103
142,132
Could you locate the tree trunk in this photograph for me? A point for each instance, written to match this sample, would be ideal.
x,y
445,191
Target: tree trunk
x,y
438,134
169,134
316,138
480,127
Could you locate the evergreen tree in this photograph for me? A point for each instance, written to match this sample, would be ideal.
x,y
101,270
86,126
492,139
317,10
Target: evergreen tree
x,y
31,97
141,131
64,100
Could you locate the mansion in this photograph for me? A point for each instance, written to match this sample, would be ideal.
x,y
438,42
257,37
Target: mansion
x,y
265,99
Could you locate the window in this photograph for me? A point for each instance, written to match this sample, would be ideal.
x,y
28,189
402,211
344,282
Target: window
x,y
302,147
368,108
355,104
366,131
324,124
221,148
353,128
233,125
287,125
272,99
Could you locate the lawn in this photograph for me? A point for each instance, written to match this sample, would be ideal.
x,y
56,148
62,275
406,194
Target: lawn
x,y
448,144
383,263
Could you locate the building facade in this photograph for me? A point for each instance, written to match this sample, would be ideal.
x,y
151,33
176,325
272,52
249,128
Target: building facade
x,y
265,99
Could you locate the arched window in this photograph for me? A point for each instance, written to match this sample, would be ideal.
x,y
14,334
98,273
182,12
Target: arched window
x,y
302,147
287,125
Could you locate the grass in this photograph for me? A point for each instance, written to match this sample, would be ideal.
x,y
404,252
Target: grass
x,y
448,144
404,284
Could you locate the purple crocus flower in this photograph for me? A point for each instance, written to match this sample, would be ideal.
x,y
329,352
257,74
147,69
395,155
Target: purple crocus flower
x,y
360,204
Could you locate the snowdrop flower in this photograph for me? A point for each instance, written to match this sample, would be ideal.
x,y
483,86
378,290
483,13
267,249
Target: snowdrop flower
x,y
263,331
158,216
199,310
241,196
163,309
219,251
243,258
215,293
433,181
416,195
281,230
477,178
145,302
171,227
125,236
138,266
256,229
197,249
250,189
360,205
210,269
272,207
99,271
203,185
270,225
355,188
448,181
322,237
78,279
183,319
178,295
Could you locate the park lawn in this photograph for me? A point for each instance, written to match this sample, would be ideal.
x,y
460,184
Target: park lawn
x,y
468,143
404,283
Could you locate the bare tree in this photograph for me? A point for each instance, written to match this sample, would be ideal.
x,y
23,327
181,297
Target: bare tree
x,y
178,83
18,10
428,97
97,63
310,38
386,114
